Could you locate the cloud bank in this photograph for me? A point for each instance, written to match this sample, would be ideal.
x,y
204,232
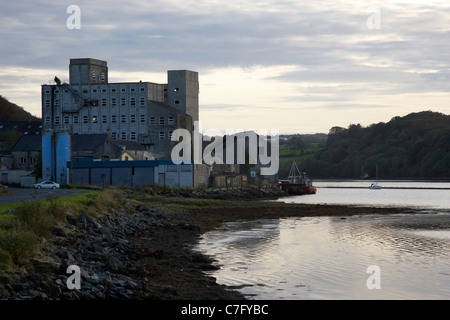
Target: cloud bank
x,y
288,65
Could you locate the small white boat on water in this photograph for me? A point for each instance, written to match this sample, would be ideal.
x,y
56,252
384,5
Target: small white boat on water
x,y
375,186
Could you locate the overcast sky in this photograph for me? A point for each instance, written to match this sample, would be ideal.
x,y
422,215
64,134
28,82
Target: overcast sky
x,y
296,66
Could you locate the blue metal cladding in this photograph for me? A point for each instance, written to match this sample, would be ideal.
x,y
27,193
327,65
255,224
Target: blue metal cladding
x,y
63,151
47,168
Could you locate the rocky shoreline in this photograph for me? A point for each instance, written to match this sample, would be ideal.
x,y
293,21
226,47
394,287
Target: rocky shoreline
x,y
143,252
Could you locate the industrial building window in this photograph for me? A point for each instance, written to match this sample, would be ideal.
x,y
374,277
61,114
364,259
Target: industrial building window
x,y
104,119
23,160
103,89
47,120
142,89
85,119
177,101
56,120
171,121
162,121
47,103
113,118
56,103
133,135
133,118
123,118
66,119
94,119
170,135
142,102
162,135
103,102
142,116
176,89
56,91
113,102
132,102
123,136
123,90
123,101
132,89
113,90
94,90
114,135
75,119
152,121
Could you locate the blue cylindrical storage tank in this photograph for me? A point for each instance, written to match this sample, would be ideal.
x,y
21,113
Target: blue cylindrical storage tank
x,y
63,151
47,169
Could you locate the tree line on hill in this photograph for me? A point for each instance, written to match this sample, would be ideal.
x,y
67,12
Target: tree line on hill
x,y
12,112
416,146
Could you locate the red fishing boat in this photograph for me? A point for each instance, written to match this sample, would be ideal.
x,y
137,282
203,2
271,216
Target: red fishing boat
x,y
297,183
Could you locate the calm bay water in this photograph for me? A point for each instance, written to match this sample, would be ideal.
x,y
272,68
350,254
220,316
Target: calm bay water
x,y
328,257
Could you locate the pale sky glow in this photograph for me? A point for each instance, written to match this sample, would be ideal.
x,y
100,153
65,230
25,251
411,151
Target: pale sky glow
x,y
295,66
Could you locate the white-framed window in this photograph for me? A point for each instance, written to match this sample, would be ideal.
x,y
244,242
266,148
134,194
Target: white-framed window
x,y
133,118
113,102
171,120
132,102
142,101
162,121
104,102
132,90
142,117
123,101
113,90
56,120
152,121
57,105
170,135
123,90
162,135
142,89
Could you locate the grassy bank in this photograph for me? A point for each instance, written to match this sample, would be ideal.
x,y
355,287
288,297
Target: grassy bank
x,y
25,225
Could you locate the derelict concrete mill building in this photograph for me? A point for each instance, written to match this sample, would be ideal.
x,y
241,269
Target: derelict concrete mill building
x,y
143,112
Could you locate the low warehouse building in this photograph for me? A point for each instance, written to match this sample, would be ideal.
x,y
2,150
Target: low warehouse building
x,y
134,173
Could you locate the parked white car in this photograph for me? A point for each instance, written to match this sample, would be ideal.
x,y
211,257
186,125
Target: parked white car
x,y
47,185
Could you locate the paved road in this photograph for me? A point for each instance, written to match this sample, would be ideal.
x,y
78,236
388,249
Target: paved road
x,y
20,194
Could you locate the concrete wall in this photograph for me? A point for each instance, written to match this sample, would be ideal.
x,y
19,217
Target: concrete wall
x,y
20,177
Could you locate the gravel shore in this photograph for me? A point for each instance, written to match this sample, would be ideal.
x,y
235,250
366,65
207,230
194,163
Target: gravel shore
x,y
144,253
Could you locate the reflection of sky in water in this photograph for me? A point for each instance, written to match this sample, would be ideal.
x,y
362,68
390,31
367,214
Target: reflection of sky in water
x,y
430,195
327,258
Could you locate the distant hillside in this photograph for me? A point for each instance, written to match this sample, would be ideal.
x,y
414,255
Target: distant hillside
x,y
413,146
12,112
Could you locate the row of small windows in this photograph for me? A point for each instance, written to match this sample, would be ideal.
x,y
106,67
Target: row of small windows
x,y
104,102
123,135
114,119
102,90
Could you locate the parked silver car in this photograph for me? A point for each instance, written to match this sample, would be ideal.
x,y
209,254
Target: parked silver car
x,y
47,185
